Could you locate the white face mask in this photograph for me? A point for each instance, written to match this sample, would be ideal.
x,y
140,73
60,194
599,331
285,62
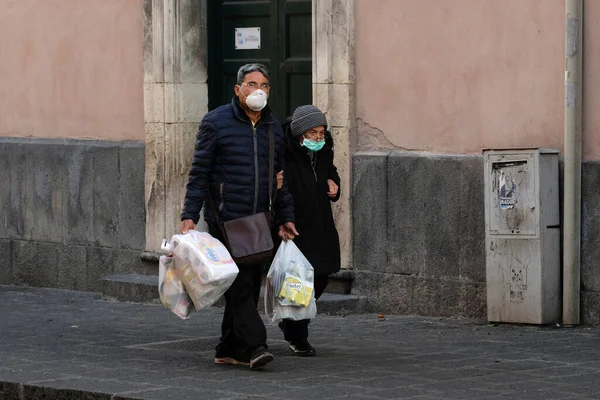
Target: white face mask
x,y
256,100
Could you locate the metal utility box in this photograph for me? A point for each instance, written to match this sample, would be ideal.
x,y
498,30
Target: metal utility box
x,y
522,232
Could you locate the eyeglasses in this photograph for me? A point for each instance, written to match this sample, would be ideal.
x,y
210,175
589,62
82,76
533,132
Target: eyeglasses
x,y
254,85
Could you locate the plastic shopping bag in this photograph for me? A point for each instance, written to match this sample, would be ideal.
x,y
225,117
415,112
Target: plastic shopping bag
x,y
289,287
204,265
170,288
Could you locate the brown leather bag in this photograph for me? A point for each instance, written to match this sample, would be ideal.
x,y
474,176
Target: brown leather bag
x,y
248,239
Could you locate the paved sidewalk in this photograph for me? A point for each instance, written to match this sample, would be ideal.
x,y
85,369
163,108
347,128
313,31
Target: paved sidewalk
x,y
71,345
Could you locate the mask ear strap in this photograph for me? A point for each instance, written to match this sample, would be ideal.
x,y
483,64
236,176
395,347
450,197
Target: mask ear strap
x,y
240,90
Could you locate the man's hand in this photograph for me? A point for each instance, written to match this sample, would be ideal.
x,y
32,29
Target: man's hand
x,y
279,179
288,231
333,188
186,225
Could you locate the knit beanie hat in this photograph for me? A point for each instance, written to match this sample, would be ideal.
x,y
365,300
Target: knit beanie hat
x,y
305,118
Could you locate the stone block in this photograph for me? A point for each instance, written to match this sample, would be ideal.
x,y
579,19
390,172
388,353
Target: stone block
x,y
590,227
341,304
147,41
340,282
171,103
5,262
136,288
342,46
102,262
127,261
193,41
179,145
370,213
322,94
46,186
106,195
193,102
132,211
79,202
333,42
406,214
33,391
386,293
437,297
473,301
11,391
5,151
154,108
436,221
155,185
342,211
99,262
341,104
185,102
405,294
71,265
590,307
471,229
16,160
34,263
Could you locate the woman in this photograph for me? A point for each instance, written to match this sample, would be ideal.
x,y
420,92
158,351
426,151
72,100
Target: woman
x,y
314,183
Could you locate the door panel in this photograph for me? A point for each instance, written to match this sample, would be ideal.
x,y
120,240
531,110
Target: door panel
x,y
285,48
296,54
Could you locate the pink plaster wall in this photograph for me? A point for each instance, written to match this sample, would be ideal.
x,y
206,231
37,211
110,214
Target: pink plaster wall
x,y
458,76
71,69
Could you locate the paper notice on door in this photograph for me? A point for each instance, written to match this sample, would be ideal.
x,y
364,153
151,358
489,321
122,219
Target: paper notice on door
x,y
247,38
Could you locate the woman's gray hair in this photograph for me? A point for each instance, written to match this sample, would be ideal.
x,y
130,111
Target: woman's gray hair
x,y
248,68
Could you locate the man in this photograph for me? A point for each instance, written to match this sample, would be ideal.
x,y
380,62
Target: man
x,y
231,165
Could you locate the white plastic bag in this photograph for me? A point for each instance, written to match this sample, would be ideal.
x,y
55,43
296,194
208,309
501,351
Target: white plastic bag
x,y
205,266
289,287
170,288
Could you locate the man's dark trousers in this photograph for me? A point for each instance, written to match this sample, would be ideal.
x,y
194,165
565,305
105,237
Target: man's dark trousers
x,y
242,329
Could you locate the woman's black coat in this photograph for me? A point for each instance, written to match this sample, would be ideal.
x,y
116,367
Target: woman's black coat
x,y
318,239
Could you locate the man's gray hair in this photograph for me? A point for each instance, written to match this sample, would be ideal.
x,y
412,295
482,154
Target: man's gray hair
x,y
248,68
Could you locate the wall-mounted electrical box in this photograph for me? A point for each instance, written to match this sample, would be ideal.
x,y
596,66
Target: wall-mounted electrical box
x,y
522,221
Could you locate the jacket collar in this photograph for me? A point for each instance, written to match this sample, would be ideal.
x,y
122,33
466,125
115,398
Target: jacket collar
x,y
265,116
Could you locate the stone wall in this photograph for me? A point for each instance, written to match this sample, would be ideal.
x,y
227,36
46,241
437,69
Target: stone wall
x,y
419,232
175,100
72,211
590,242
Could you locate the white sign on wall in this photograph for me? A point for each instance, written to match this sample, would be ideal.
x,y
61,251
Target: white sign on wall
x,y
247,38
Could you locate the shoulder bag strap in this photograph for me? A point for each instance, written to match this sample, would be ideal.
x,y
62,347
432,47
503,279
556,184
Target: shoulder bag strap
x,y
271,166
271,170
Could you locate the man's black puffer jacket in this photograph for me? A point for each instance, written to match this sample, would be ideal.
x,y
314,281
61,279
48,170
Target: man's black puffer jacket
x,y
229,156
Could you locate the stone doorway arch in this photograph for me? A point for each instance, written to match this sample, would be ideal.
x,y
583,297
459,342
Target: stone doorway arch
x,y
176,98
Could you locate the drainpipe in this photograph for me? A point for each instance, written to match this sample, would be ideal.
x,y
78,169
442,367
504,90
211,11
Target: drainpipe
x,y
572,177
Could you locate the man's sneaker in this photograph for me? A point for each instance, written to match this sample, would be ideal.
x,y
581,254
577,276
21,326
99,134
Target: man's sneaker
x,y
260,358
302,348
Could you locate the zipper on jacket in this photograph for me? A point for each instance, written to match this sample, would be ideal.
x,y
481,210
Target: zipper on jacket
x,y
313,164
256,174
222,199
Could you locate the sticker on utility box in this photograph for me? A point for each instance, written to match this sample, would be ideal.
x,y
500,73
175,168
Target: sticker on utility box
x,y
507,191
247,38
508,174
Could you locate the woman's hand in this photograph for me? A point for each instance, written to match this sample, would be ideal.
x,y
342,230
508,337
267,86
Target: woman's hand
x,y
333,188
279,179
